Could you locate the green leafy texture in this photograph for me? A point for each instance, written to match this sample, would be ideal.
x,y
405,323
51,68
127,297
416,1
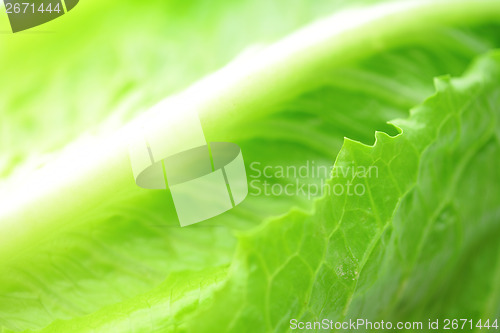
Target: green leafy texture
x,y
126,247
418,227
387,254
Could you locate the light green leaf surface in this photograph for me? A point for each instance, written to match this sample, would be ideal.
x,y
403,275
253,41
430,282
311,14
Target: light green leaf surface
x,y
125,265
107,61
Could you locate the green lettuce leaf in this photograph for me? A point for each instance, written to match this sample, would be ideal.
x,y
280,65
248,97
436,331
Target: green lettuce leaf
x,y
399,248
124,265
390,253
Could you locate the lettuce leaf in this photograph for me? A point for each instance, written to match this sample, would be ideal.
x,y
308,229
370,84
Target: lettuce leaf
x,y
393,253
124,265
386,254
